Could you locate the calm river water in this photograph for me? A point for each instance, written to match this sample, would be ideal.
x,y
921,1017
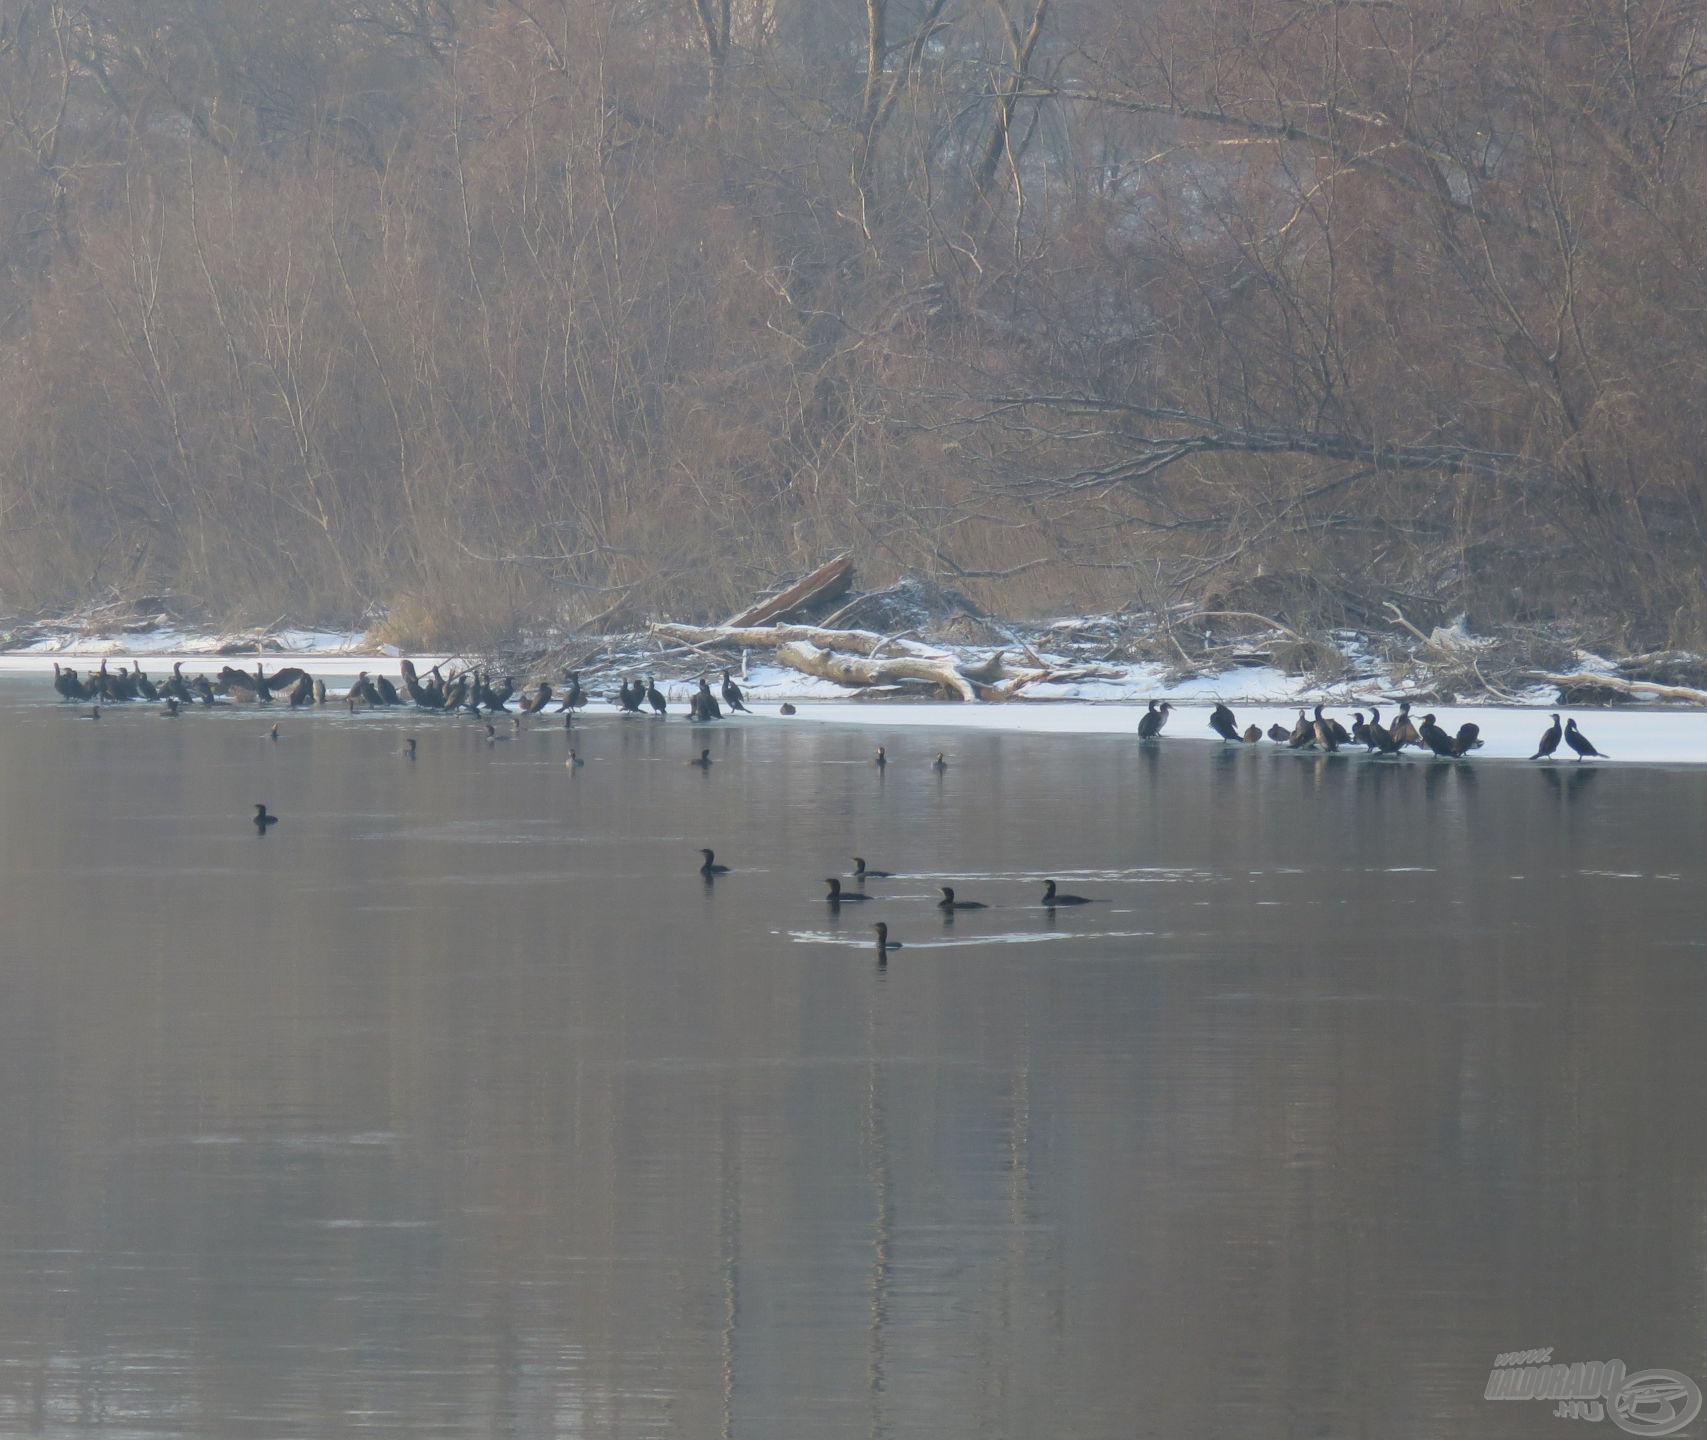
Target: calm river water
x,y
460,1105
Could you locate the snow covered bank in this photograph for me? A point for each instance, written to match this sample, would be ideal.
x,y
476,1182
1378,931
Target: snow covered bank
x,y
1260,695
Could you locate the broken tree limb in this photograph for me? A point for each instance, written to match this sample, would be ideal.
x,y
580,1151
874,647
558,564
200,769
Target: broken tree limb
x,y
1648,688
809,659
824,583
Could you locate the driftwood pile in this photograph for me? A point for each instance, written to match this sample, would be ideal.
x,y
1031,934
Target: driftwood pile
x,y
863,659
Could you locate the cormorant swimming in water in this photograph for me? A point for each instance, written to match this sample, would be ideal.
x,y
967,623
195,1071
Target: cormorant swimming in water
x,y
1221,721
1581,743
732,692
884,943
879,759
1051,899
785,709
835,897
1151,722
273,734
704,762
574,760
860,872
171,710
409,748
948,902
939,764
711,867
1550,738
262,819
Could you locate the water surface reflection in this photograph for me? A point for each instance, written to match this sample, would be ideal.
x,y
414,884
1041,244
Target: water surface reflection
x,y
459,1105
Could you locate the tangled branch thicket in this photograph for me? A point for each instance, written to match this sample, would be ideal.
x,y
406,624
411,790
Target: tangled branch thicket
x,y
479,316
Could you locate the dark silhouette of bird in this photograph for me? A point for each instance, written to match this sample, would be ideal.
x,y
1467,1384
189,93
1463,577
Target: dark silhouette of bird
x,y
94,713
573,696
704,762
1303,733
409,748
836,895
948,902
879,759
786,709
144,686
1221,721
386,691
173,704
884,943
1581,743
630,698
1051,898
703,704
1380,738
1151,722
862,872
273,734
939,764
1339,734
1468,738
574,760
177,686
536,702
1405,731
655,696
1252,735
69,686
732,692
1359,729
711,867
1550,738
1279,734
1434,738
262,819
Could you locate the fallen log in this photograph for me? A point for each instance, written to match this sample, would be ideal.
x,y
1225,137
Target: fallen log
x,y
824,583
867,658
809,659
1647,688
765,637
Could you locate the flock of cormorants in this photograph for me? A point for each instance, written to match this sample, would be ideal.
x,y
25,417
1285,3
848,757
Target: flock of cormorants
x,y
1321,732
472,692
